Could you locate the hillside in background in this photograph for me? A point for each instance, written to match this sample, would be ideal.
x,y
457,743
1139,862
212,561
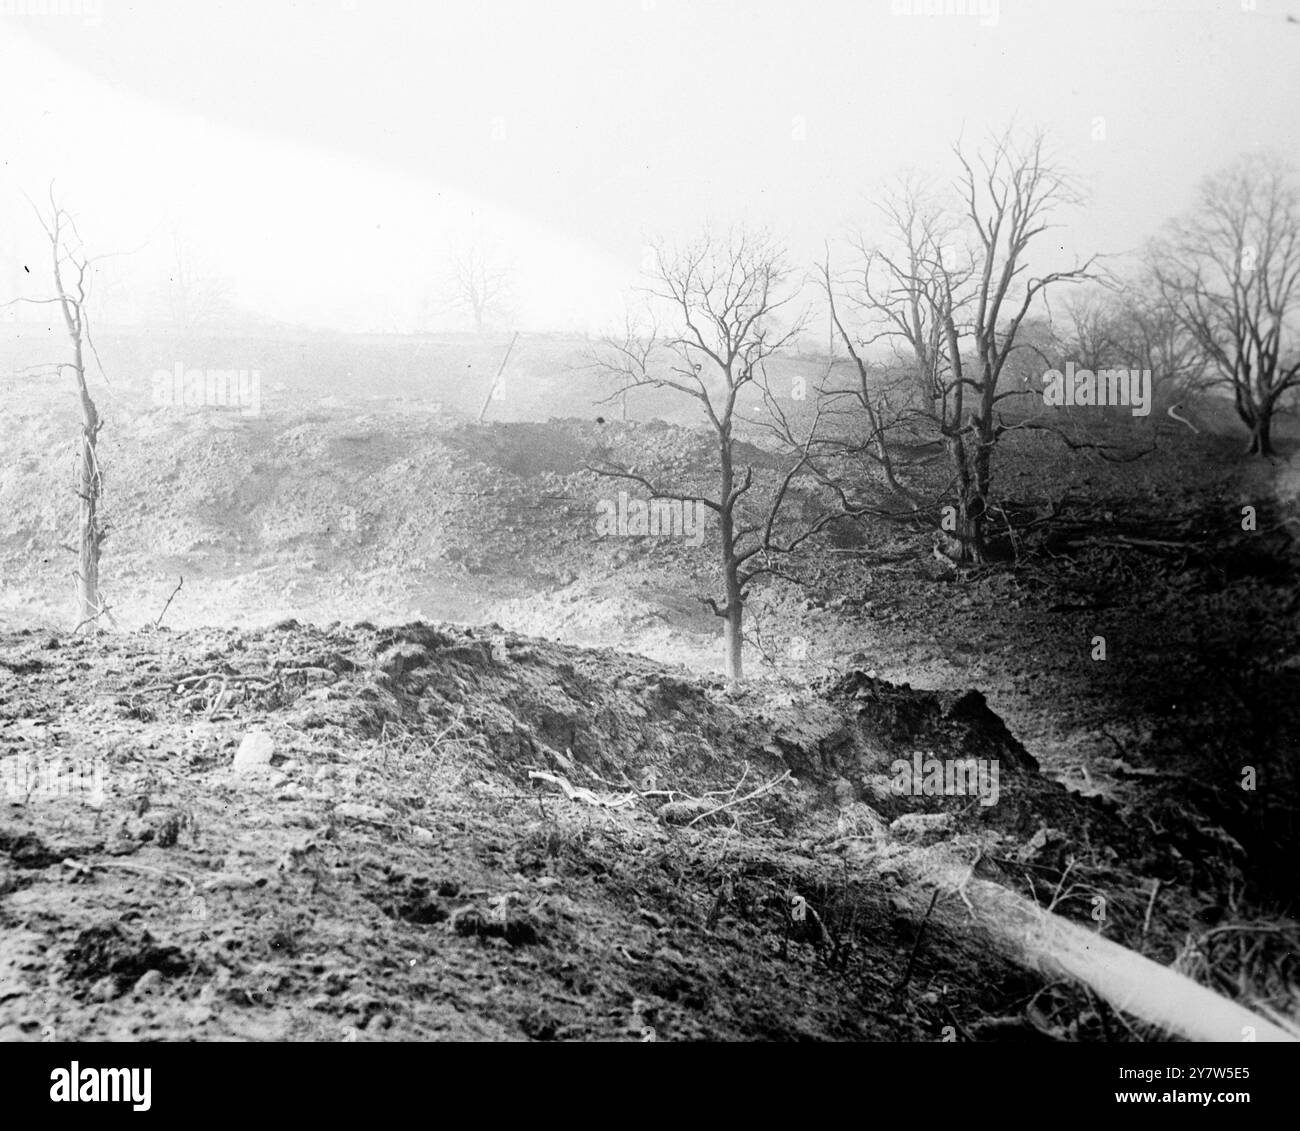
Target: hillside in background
x,y
396,871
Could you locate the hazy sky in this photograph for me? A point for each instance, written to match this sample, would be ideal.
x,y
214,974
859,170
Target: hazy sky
x,y
321,153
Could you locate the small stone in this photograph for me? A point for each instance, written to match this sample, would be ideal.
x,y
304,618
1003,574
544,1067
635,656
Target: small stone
x,y
103,990
215,988
137,828
254,752
150,982
921,826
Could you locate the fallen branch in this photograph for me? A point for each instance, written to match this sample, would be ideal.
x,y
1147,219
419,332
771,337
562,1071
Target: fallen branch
x,y
1151,905
916,946
101,611
578,793
740,800
169,601
1172,413
225,677
1042,940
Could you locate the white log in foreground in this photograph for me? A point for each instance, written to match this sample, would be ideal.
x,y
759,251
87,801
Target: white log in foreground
x,y
1131,983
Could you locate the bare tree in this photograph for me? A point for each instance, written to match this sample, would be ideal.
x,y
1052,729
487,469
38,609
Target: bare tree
x,y
1131,326
1093,328
952,290
1230,271
196,295
722,298
871,419
72,271
625,356
1151,336
478,279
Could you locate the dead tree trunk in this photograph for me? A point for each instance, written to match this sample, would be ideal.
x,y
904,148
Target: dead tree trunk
x,y
90,602
1261,437
732,611
722,296
71,269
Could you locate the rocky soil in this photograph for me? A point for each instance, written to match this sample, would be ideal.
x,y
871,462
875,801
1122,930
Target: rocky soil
x,y
394,870
429,832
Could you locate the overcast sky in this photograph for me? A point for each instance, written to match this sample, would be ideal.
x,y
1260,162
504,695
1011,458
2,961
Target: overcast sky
x,y
321,153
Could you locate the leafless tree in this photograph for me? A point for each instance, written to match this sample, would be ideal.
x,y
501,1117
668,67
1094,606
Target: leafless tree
x,y
72,271
478,279
894,296
1230,271
880,399
722,298
1129,325
1093,330
1151,336
196,294
951,290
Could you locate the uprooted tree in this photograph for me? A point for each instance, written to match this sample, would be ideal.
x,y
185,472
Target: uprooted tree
x,y
948,289
1230,271
721,299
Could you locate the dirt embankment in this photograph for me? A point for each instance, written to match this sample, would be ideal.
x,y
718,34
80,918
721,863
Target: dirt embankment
x,y
336,834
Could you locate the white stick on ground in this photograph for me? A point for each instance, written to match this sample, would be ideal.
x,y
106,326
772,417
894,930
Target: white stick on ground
x,y
1130,982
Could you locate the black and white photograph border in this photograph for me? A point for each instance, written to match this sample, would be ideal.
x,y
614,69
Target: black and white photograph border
x,y
650,521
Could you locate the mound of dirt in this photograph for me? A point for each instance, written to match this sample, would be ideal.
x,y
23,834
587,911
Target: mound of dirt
x,y
435,832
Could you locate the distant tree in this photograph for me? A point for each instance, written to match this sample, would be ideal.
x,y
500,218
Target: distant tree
x,y
1130,326
1151,336
950,290
196,295
721,299
478,279
874,403
1092,329
1230,271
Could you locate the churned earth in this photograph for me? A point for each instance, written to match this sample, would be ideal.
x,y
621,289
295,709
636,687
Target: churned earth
x,y
357,833
396,872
